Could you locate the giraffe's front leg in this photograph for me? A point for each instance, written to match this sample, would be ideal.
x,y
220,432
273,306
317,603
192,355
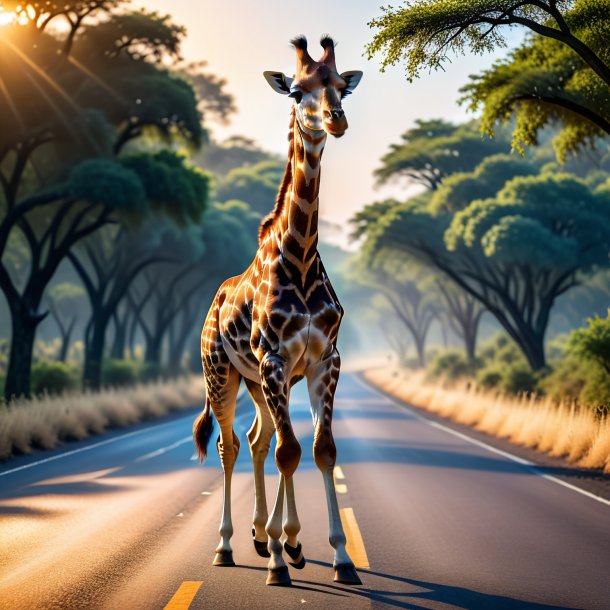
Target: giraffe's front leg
x,y
322,383
274,382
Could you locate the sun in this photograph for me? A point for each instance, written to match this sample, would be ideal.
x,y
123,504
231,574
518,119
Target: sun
x,y
7,18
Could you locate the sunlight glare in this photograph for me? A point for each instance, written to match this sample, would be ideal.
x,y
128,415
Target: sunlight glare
x,y
7,18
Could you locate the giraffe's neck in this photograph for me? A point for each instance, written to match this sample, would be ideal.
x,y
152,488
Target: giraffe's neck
x,y
296,227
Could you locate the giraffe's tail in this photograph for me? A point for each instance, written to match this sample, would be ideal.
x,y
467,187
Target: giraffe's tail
x,y
202,430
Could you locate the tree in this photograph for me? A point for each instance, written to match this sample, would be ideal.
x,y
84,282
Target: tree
x,y
405,286
544,82
257,185
237,151
64,303
460,189
177,195
463,312
84,100
434,149
515,252
562,72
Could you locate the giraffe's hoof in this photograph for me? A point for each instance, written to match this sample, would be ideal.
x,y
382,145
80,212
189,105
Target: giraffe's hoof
x,y
346,574
260,547
223,558
296,554
278,577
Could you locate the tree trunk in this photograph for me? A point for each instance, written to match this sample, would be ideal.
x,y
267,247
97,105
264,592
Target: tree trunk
x,y
94,352
181,335
470,341
20,357
119,341
65,342
532,346
152,355
420,346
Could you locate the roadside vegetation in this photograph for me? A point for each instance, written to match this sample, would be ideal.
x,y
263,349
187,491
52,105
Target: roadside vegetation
x,y
44,422
559,429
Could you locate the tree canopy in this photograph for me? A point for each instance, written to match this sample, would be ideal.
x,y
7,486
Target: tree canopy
x,y
434,149
561,73
515,251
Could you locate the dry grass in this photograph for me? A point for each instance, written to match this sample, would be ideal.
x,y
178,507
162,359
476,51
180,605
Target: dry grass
x,y
558,429
47,421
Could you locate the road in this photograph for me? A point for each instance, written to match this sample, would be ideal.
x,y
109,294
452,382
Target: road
x,y
129,521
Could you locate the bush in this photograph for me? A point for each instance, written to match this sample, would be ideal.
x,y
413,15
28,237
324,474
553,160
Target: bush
x,y
581,374
53,377
120,372
489,377
451,365
500,348
150,372
518,378
593,343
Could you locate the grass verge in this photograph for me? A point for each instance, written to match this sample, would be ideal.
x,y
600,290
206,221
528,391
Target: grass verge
x,y
561,430
47,421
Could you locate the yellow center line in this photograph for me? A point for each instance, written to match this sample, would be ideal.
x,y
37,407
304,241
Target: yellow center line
x,y
183,597
355,544
339,473
341,488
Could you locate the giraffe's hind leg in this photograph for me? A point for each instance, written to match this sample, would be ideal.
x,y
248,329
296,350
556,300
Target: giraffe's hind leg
x,y
259,438
222,383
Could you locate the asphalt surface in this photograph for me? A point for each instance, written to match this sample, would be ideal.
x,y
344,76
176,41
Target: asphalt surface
x,y
129,520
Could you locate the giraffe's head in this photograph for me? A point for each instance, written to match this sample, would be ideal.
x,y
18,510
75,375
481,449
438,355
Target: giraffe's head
x,y
317,88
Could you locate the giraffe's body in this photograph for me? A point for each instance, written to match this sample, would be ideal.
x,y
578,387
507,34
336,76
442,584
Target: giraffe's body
x,y
278,322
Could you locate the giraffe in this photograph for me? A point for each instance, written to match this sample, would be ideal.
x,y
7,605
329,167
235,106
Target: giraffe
x,y
276,324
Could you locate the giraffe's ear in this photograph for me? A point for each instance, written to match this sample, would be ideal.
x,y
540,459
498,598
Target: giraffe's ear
x,y
279,81
352,78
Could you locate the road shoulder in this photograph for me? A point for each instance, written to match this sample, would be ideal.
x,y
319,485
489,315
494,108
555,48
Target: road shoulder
x,y
590,480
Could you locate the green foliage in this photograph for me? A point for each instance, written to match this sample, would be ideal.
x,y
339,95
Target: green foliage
x,y
434,149
545,82
501,350
257,185
489,376
120,372
108,183
237,151
458,190
562,73
550,222
53,377
173,187
518,378
593,342
451,364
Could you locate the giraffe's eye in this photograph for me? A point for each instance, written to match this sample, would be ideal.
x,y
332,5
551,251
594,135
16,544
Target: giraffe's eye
x,y
296,94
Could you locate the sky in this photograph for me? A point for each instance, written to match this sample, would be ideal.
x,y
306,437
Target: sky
x,y
240,39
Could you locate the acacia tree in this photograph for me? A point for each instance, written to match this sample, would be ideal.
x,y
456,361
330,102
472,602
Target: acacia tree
x,y
64,300
463,312
515,252
404,286
100,94
435,149
165,302
108,264
562,72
